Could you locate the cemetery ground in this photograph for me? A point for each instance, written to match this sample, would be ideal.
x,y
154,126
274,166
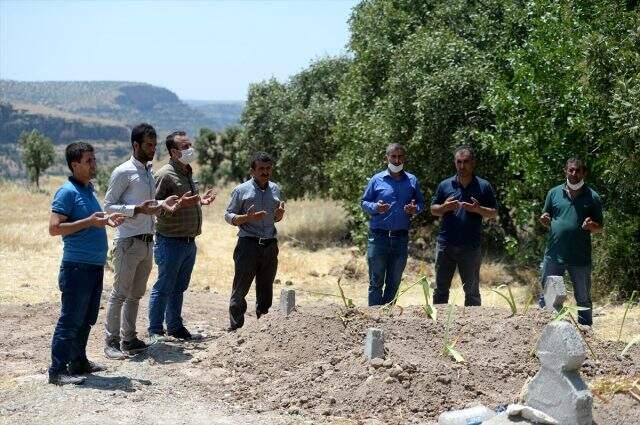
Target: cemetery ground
x,y
307,367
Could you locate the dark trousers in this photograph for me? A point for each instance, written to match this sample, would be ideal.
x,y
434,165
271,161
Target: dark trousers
x,y
467,260
81,287
252,260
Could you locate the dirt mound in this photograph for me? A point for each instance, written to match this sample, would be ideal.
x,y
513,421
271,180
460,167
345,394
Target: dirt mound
x,y
312,362
308,367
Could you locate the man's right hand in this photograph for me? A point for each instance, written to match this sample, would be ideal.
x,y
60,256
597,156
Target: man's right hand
x,y
100,219
545,219
150,207
381,207
253,215
450,204
188,201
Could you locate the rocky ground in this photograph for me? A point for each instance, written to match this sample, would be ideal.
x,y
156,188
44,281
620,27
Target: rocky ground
x,y
305,368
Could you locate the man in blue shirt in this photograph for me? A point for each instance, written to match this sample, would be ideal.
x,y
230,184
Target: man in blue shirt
x,y
462,201
77,216
391,198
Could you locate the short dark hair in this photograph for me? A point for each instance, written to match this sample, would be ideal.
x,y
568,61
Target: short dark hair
x,y
465,148
73,152
170,141
395,147
577,160
260,156
139,131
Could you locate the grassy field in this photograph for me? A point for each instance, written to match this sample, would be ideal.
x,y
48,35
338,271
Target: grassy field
x,y
311,259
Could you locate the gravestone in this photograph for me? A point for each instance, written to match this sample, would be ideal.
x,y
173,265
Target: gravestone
x,y
287,300
557,389
555,293
374,344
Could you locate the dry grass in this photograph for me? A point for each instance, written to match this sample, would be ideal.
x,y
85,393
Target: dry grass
x,y
29,258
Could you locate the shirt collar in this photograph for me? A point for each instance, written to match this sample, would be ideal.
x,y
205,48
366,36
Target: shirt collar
x,y
181,168
79,183
387,173
139,164
257,186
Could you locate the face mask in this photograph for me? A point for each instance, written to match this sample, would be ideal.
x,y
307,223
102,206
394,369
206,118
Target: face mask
x,y
395,168
575,186
188,155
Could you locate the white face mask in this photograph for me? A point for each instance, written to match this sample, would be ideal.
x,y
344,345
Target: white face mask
x,y
395,168
575,186
188,155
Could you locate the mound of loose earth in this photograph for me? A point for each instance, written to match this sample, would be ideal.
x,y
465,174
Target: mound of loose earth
x,y
307,367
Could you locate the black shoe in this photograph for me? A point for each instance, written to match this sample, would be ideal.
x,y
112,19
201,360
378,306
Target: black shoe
x,y
134,346
83,367
65,379
183,334
112,351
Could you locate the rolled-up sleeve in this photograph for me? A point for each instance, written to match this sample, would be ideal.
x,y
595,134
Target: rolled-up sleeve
x,y
234,207
112,203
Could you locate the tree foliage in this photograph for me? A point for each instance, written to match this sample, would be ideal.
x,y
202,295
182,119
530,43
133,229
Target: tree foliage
x,y
527,84
37,154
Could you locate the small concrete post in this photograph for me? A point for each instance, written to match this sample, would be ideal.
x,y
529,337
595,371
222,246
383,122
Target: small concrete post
x,y
374,344
555,293
287,300
557,389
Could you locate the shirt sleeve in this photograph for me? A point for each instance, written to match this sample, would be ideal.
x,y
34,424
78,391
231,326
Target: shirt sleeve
x,y
369,198
489,197
598,216
438,196
63,202
420,202
234,208
118,183
164,186
548,204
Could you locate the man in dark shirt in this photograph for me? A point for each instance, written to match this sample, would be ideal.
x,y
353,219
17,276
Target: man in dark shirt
x,y
392,197
174,249
572,212
255,206
462,201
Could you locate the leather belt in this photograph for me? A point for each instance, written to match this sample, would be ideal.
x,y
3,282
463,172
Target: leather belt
x,y
261,241
144,237
390,233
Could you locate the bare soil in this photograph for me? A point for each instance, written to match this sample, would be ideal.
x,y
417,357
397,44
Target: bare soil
x,y
308,367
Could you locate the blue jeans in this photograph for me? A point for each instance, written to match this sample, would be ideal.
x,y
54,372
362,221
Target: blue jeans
x,y
175,258
581,279
468,260
387,257
81,287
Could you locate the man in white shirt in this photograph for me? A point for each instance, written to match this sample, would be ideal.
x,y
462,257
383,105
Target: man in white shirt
x,y
131,192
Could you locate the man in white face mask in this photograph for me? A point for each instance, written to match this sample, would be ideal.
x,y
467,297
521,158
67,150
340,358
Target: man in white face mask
x,y
572,211
174,247
391,198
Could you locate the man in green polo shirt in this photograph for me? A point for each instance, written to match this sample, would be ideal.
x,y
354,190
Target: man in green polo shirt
x,y
572,211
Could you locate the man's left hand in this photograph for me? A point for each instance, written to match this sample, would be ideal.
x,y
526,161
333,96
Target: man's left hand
x,y
208,197
411,208
279,213
589,225
473,206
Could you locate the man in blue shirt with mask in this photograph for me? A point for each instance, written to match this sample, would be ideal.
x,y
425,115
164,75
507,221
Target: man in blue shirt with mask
x,y
392,198
462,201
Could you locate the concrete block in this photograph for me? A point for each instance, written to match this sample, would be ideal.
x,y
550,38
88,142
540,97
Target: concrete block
x,y
555,293
374,344
558,389
287,300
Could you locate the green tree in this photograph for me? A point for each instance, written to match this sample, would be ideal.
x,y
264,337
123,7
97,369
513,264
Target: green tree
x,y
37,154
220,156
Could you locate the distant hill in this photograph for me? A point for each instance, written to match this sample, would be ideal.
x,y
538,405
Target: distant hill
x,y
223,113
102,112
128,103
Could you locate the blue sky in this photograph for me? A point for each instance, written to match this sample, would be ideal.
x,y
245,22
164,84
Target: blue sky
x,y
207,50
